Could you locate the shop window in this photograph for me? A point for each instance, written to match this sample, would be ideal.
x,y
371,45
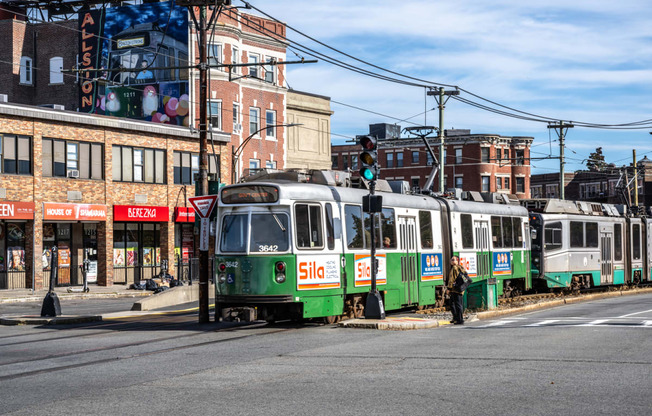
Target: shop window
x,y
15,154
136,251
138,165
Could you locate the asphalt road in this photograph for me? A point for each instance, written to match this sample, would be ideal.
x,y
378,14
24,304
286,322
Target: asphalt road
x,y
584,359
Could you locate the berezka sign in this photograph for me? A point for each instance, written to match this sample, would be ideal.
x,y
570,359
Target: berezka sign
x,y
203,204
140,213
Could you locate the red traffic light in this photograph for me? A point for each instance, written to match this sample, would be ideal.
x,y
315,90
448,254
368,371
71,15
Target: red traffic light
x,y
367,142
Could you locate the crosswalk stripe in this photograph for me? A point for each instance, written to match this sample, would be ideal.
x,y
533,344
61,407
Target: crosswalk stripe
x,y
550,321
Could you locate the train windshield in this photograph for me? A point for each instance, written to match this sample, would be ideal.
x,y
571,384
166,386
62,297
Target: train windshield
x,y
133,59
269,233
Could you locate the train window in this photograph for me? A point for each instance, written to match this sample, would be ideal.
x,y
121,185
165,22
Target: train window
x,y
508,233
618,242
576,234
552,236
367,231
353,220
425,224
388,227
496,232
308,222
518,232
234,233
269,232
330,229
591,234
636,241
467,231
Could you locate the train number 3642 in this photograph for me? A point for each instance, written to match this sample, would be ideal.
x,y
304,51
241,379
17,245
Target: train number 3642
x,y
267,248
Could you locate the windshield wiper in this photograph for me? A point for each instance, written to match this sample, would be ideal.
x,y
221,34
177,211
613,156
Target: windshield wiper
x,y
280,225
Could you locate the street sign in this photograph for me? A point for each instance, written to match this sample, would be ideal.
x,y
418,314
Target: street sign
x,y
203,207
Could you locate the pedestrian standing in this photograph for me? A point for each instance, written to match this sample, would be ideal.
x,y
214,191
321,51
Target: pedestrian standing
x,y
456,297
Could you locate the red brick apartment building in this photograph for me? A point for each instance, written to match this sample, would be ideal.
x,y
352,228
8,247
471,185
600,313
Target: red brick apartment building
x,y
473,162
107,189
243,100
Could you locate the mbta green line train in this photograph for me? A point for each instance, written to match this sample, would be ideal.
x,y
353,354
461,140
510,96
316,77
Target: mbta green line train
x,y
296,245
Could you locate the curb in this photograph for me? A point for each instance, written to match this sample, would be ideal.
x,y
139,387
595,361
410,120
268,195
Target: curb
x,y
64,295
40,320
559,302
393,324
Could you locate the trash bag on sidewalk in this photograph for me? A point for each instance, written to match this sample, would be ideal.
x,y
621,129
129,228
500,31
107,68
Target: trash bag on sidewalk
x,y
151,285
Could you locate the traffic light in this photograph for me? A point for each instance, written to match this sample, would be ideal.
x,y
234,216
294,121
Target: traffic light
x,y
369,157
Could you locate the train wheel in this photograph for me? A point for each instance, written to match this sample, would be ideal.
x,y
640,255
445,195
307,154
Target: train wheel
x,y
358,308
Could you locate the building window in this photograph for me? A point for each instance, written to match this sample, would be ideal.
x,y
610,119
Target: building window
x,y
484,154
56,65
415,157
415,183
270,164
499,154
234,59
138,165
459,182
270,120
519,156
499,183
214,54
390,160
345,160
254,120
458,156
15,154
186,166
429,159
334,162
26,70
507,184
215,114
520,185
254,165
270,75
253,70
237,127
485,183
354,162
399,159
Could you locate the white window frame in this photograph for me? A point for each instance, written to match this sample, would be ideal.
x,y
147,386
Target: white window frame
x,y
26,70
254,111
486,178
461,179
270,132
56,67
269,71
215,120
237,126
212,59
254,71
458,156
235,59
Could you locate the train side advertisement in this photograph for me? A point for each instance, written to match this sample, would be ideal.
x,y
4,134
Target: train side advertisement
x,y
130,45
318,272
502,263
432,267
468,261
363,270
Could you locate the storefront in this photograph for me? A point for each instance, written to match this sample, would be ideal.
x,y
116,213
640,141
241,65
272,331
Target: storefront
x,y
137,242
184,240
13,243
72,228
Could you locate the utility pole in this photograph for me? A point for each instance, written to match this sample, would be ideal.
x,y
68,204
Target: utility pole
x,y
563,128
440,97
635,181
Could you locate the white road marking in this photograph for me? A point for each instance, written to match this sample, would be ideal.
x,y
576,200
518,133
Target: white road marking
x,y
594,323
497,323
647,323
635,313
548,322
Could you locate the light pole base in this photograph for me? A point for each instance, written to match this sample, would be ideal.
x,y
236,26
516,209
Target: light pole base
x,y
51,305
374,308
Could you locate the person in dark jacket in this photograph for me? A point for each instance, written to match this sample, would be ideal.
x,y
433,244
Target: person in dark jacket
x,y
457,306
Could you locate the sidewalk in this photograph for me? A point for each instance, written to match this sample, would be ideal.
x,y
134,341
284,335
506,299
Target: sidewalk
x,y
95,292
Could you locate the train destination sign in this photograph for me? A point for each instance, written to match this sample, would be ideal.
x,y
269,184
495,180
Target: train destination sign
x,y
250,194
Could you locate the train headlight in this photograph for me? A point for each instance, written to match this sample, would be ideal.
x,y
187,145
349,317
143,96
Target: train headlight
x,y
280,277
222,277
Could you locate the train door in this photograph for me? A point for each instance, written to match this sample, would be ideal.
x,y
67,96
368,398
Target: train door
x,y
606,258
483,267
408,247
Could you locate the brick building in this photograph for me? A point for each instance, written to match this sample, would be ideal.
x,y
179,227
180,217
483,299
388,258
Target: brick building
x,y
473,162
243,101
112,190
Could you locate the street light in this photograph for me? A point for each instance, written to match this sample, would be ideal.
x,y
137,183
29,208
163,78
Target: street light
x,y
237,152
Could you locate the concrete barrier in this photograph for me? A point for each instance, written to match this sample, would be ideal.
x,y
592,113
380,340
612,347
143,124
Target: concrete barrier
x,y
175,296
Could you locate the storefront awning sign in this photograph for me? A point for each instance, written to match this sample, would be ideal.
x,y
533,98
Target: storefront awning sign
x,y
184,214
16,210
140,213
74,212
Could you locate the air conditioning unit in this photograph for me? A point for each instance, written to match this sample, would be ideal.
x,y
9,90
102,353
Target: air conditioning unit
x,y
73,173
237,128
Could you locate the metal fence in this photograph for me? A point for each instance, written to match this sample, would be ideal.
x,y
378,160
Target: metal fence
x,y
188,271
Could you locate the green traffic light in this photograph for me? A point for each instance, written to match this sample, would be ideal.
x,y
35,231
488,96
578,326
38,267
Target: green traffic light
x,y
367,174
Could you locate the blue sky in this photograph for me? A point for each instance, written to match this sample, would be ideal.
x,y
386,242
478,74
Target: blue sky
x,y
587,61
